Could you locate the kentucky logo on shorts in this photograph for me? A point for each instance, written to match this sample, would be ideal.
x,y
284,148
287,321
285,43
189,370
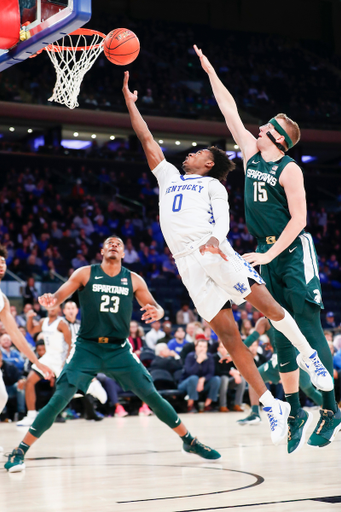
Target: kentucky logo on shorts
x,y
240,287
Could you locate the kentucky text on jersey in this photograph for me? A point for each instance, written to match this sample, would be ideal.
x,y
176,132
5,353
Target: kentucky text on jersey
x,y
177,188
106,288
261,176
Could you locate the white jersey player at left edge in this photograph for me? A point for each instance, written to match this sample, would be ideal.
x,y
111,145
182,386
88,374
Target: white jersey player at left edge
x,y
57,339
16,336
194,218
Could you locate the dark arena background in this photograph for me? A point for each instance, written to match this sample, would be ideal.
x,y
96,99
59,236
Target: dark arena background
x,y
71,178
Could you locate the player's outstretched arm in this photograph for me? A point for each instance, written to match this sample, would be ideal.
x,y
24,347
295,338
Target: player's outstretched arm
x,y
19,340
78,279
152,310
151,148
245,140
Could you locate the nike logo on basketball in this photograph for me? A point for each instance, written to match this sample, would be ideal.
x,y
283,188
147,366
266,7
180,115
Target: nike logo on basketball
x,y
292,250
284,364
98,277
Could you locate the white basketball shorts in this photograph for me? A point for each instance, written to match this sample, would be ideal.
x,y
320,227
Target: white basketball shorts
x,y
211,281
53,362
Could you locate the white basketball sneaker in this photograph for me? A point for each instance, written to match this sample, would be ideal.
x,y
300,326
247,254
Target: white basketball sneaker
x,y
28,420
278,416
97,390
319,375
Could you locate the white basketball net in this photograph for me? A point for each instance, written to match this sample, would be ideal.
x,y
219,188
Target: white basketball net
x,y
72,64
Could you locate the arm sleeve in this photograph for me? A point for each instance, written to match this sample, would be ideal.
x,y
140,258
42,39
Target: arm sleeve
x,y
251,339
220,208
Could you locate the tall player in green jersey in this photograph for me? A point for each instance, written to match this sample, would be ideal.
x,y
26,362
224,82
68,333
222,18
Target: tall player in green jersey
x,y
275,209
106,295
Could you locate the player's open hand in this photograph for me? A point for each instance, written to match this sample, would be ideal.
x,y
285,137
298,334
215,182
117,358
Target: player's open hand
x,y
257,258
128,95
48,300
151,313
212,245
48,374
205,63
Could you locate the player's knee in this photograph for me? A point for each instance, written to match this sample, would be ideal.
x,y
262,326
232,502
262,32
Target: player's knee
x,y
57,403
274,312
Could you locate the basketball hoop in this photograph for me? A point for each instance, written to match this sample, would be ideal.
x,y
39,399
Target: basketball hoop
x,y
72,57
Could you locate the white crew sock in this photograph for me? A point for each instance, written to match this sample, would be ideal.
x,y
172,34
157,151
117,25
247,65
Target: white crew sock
x,y
289,328
32,413
267,399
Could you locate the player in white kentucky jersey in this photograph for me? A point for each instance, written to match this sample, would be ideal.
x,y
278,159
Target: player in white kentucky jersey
x,y
16,336
57,339
194,221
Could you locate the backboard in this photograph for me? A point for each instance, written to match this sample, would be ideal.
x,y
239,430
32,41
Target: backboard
x,y
44,22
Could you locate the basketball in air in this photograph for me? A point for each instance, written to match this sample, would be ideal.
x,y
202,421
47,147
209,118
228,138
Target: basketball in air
x,y
121,46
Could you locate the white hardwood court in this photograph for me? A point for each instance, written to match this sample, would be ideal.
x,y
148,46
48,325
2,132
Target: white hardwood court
x,y
136,464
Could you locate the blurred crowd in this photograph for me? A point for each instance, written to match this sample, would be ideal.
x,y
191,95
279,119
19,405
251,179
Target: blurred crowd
x,y
265,73
187,362
52,224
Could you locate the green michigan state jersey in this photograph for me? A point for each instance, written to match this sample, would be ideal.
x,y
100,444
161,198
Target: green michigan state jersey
x,y
266,206
106,305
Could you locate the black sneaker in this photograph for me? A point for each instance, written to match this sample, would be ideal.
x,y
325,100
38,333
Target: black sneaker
x,y
201,449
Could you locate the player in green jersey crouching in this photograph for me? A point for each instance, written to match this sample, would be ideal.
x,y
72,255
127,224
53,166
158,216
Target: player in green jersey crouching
x,y
276,214
106,295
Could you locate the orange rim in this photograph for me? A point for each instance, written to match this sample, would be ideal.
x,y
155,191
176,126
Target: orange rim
x,y
78,32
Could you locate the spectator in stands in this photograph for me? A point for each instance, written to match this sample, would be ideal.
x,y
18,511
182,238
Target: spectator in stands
x,y
79,260
165,359
56,232
330,321
154,335
191,330
198,376
169,268
30,294
177,343
185,315
22,318
246,328
167,329
134,339
11,378
131,258
28,337
18,320
32,268
230,379
128,230
11,354
113,389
